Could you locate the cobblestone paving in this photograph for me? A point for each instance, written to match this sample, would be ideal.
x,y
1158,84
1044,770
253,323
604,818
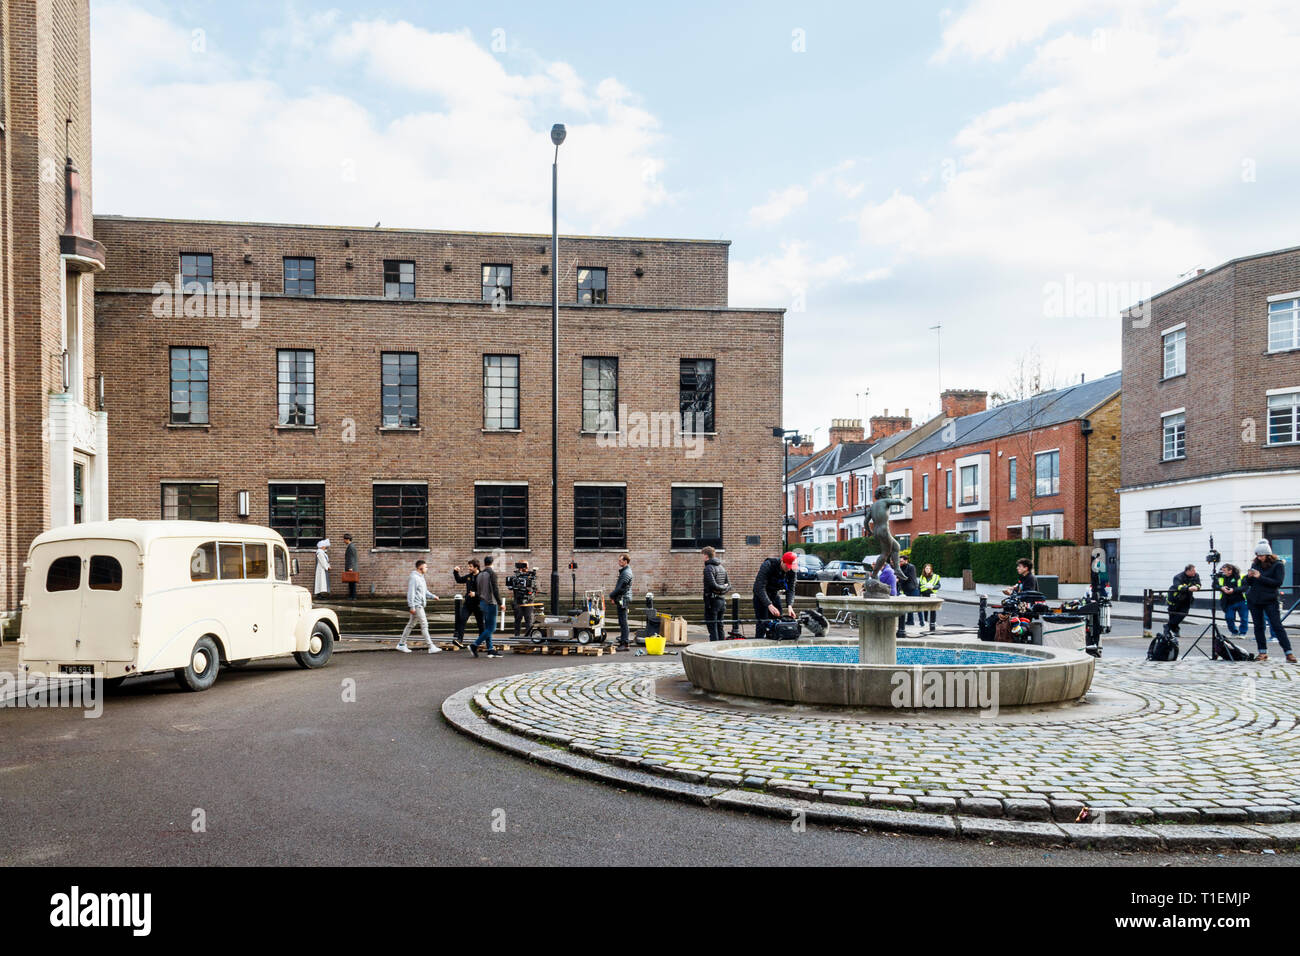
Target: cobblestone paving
x,y
1213,742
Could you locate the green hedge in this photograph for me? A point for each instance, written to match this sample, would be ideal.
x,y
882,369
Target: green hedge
x,y
994,562
949,553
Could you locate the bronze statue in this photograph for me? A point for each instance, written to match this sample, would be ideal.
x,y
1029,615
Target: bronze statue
x,y
878,527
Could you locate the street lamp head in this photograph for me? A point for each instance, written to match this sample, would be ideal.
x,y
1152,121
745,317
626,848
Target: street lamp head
x,y
557,133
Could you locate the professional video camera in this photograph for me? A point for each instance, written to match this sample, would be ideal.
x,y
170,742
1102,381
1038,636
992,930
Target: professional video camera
x,y
524,579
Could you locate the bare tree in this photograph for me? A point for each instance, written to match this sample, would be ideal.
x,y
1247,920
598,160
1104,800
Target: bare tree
x,y
1026,379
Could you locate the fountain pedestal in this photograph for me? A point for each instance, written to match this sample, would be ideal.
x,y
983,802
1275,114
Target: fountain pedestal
x,y
878,622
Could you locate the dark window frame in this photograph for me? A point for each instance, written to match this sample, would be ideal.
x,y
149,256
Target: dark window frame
x,y
1169,517
401,422
186,503
197,278
975,486
1054,455
308,411
596,295
189,382
298,279
609,503
411,509
694,390
508,287
493,528
695,508
599,390
297,532
394,267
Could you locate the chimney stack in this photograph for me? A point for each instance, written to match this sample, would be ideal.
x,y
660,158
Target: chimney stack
x,y
882,426
957,402
845,429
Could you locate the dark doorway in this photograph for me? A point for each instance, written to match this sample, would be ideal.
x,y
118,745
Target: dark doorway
x,y
1285,539
1111,547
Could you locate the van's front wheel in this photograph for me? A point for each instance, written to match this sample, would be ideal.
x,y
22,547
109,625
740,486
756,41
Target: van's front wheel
x,y
201,672
319,647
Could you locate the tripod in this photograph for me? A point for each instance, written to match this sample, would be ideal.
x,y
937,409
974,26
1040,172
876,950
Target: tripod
x,y
1213,627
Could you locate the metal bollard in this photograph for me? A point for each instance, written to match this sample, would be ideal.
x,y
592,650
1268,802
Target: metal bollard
x,y
736,634
1148,605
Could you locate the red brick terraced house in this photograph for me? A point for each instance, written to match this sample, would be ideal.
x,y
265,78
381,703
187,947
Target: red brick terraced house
x,y
1046,466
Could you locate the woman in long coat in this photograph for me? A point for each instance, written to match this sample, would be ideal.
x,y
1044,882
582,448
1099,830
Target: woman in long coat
x,y
322,567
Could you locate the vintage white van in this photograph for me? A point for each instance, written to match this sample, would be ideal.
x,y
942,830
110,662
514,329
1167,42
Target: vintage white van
x,y
125,597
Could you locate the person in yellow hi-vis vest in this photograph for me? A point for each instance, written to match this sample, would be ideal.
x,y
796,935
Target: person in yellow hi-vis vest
x,y
929,587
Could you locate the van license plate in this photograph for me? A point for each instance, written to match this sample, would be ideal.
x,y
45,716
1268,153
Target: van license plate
x,y
560,632
76,668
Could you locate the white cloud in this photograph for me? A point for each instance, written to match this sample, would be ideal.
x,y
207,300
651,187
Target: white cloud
x,y
788,280
778,206
181,133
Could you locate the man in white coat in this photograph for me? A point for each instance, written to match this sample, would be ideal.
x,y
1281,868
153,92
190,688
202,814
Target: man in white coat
x,y
417,594
322,566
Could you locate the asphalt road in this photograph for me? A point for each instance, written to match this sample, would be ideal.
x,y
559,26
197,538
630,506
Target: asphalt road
x,y
284,771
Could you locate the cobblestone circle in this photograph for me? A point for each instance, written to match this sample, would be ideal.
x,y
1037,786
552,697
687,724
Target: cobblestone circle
x,y
1211,743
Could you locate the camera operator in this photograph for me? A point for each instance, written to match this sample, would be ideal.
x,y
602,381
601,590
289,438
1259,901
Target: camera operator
x,y
523,586
1179,599
621,594
1026,580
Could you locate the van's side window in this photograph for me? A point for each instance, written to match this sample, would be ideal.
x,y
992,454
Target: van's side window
x,y
203,562
105,573
232,560
281,564
64,574
255,565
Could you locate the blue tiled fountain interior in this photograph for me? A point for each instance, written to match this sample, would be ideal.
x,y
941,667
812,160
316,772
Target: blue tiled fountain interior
x,y
907,656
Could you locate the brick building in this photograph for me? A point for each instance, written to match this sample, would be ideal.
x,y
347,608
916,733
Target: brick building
x,y
1046,466
1212,420
52,434
395,384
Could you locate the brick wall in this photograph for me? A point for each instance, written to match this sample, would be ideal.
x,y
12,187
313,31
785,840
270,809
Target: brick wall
x,y
243,450
1228,373
1104,468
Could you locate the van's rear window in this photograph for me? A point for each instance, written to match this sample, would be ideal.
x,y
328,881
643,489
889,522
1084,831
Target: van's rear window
x,y
64,574
105,573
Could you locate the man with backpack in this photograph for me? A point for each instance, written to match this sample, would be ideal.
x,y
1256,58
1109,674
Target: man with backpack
x,y
716,586
1179,599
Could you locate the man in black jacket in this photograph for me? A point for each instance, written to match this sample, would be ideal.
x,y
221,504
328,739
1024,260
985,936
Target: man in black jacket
x,y
774,574
350,566
470,605
716,586
521,601
489,599
1179,599
909,583
620,595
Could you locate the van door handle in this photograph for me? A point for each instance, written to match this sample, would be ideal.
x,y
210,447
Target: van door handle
x,y
254,628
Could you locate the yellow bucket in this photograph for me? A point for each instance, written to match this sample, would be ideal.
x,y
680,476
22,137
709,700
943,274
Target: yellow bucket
x,y
655,645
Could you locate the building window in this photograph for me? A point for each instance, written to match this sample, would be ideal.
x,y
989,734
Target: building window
x,y
904,542
1013,479
1284,325
496,283
400,389
1047,473
808,536
500,392
1284,418
399,279
896,491
696,386
500,516
925,492
189,502
599,516
297,383
862,489
696,517
1175,517
299,276
807,498
591,287
401,516
970,484
78,492
1043,532
947,480
600,395
196,272
189,391
1175,348
1174,430
298,513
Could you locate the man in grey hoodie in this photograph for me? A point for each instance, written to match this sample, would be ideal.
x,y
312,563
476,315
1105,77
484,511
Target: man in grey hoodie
x,y
417,594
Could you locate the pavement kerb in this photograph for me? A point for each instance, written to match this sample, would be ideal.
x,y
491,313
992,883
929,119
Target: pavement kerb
x,y
457,710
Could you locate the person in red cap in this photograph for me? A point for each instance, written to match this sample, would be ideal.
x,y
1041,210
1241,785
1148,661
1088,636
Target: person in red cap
x,y
774,575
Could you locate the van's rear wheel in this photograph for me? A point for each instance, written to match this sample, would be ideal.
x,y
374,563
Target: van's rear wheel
x,y
584,636
320,647
201,672
538,635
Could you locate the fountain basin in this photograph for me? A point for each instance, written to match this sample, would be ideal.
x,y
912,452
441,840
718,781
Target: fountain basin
x,y
928,673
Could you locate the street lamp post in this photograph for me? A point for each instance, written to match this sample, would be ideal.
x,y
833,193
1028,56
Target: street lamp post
x,y
557,137
787,436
